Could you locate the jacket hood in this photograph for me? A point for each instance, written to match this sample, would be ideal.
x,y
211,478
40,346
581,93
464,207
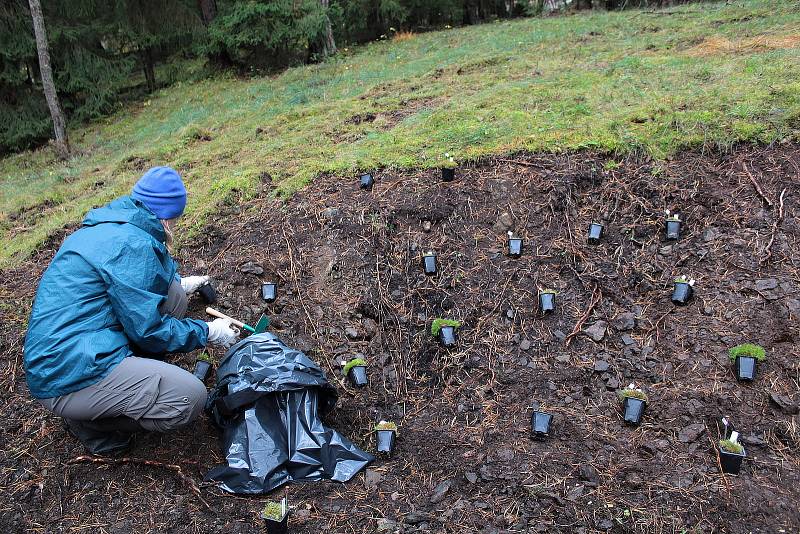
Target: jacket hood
x,y
127,210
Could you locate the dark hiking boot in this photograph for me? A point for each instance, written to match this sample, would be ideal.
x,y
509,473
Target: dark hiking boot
x,y
103,437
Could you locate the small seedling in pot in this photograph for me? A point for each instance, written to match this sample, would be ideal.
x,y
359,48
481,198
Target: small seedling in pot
x,y
731,454
429,263
744,358
356,371
202,366
445,330
672,226
276,516
366,181
683,290
269,292
634,402
385,436
208,293
448,168
514,246
547,301
540,424
595,233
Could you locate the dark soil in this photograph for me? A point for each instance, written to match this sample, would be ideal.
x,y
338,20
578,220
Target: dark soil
x,y
348,265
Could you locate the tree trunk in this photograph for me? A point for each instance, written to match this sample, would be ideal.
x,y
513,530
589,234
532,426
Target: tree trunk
x,y
146,54
59,126
329,48
208,10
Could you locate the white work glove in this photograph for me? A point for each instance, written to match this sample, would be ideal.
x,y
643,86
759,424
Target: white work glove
x,y
190,284
221,333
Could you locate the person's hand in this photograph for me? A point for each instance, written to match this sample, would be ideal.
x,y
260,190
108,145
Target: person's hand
x,y
190,284
221,333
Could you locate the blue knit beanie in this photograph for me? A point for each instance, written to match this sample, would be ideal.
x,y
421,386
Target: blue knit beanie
x,y
161,190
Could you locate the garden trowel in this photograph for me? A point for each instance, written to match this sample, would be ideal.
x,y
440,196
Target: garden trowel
x,y
261,325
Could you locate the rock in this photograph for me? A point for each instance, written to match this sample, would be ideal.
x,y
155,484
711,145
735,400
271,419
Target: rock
x,y
252,268
766,284
624,321
754,440
505,454
386,525
370,328
793,305
562,358
589,473
440,491
784,403
351,332
710,234
601,366
628,340
371,479
504,222
471,477
633,480
604,524
597,331
525,345
612,383
415,518
665,251
559,335
708,310
690,433
331,213
426,226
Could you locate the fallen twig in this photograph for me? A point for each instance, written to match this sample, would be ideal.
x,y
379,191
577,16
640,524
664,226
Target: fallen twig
x,y
756,185
597,295
141,461
768,248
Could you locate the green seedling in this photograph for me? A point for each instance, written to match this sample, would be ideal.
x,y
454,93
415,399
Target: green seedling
x,y
633,393
449,162
274,511
438,323
205,357
748,350
731,446
683,279
355,362
672,216
548,292
386,425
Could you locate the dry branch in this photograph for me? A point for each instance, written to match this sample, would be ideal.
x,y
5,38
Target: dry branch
x,y
597,295
141,461
768,248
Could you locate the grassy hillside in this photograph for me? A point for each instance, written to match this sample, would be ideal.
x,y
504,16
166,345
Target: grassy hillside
x,y
629,81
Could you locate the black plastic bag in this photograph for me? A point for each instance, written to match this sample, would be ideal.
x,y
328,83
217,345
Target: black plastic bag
x,y
268,401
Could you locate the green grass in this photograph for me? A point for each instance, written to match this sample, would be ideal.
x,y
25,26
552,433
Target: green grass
x,y
619,82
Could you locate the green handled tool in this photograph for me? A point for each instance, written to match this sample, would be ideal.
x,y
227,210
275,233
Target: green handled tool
x,y
261,325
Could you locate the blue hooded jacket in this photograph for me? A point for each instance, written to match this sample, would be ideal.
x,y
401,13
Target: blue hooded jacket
x,y
97,302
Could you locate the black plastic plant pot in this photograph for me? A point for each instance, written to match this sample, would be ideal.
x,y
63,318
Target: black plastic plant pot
x,y
731,462
385,439
201,369
277,526
358,376
633,410
672,229
448,174
547,302
745,368
447,336
366,181
269,292
208,293
540,424
515,247
595,233
429,264
682,293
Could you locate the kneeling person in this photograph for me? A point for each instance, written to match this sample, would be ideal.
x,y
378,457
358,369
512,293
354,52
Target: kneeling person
x,y
110,302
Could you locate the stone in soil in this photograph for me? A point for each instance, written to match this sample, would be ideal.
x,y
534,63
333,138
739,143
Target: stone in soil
x,y
440,491
767,284
252,268
624,321
784,403
601,366
691,432
597,331
371,479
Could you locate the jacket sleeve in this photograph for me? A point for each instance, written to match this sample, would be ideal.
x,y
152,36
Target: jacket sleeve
x,y
138,278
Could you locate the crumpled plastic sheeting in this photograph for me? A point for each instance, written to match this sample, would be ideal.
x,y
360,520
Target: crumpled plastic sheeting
x,y
268,402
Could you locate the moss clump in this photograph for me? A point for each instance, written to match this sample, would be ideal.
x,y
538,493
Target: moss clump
x,y
355,362
437,325
273,511
633,394
548,292
749,350
386,425
205,357
448,162
731,446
